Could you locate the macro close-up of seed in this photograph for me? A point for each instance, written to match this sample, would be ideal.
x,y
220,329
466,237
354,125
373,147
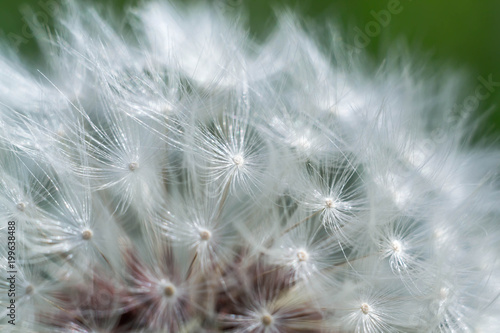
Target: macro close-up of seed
x,y
173,168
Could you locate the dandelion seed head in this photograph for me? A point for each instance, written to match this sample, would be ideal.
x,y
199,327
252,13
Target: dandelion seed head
x,y
190,178
133,166
169,290
302,255
396,246
238,160
267,320
205,235
303,143
365,308
87,234
21,206
30,290
329,203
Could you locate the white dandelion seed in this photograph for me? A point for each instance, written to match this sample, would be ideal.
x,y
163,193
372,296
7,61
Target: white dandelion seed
x,y
169,172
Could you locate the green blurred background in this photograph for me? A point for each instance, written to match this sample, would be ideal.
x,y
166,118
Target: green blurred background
x,y
461,33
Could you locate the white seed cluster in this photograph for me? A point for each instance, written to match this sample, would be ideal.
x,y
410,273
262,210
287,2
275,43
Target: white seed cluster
x,y
171,173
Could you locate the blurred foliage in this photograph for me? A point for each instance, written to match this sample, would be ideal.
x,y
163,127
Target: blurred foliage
x,y
462,33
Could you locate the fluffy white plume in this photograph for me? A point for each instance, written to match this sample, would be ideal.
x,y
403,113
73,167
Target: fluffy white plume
x,y
178,176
